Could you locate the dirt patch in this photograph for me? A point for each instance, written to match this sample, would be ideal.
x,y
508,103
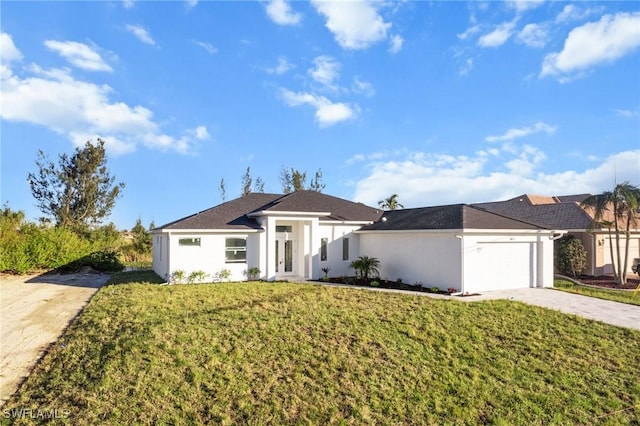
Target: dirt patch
x,y
606,281
35,311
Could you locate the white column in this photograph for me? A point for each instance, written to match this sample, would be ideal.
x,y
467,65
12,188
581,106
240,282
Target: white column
x,y
314,249
270,227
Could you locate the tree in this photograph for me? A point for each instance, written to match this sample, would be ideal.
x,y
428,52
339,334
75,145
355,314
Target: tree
x,y
366,266
246,182
79,191
141,238
571,257
390,203
316,183
294,180
616,211
223,190
258,186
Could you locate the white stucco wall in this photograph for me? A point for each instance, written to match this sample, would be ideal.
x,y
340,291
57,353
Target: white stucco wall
x,y
208,257
432,258
335,234
463,260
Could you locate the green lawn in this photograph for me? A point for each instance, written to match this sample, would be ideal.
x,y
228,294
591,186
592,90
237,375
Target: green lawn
x,y
264,353
615,295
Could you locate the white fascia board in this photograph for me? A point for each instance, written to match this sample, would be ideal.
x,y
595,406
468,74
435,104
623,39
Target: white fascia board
x,y
207,231
511,231
344,222
288,214
408,231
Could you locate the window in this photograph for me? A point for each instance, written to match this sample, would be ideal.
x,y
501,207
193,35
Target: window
x,y
284,228
189,242
323,249
345,249
235,250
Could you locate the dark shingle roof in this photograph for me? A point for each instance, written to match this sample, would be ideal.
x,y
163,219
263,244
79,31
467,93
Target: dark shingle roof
x,y
233,214
456,216
316,202
561,215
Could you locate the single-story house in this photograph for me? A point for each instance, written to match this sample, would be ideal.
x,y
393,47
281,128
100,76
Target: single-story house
x,y
297,235
565,212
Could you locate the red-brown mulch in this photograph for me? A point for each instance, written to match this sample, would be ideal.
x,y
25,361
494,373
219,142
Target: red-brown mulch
x,y
606,281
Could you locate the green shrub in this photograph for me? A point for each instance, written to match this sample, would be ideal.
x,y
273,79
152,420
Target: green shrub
x,y
197,277
434,290
177,276
374,283
571,257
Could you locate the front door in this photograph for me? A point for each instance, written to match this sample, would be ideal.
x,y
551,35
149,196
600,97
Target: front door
x,y
285,256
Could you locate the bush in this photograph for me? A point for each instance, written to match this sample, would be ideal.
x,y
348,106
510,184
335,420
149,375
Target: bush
x,y
571,257
103,261
374,283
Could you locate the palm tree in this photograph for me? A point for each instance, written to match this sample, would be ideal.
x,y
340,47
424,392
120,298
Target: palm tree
x,y
390,203
621,208
366,266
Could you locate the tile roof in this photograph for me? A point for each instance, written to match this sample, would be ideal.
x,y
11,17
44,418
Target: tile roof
x,y
560,215
233,214
456,216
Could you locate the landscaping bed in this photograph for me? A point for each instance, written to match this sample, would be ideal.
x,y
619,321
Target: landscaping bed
x,y
606,281
380,283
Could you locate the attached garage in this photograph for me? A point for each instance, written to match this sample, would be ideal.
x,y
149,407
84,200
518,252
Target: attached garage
x,y
634,251
461,247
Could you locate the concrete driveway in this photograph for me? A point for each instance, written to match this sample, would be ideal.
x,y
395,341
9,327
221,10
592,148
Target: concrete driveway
x,y
615,313
35,311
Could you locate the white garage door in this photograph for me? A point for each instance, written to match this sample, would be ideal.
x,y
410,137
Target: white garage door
x,y
634,251
501,266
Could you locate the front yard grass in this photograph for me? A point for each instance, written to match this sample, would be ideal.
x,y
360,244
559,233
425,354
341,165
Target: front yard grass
x,y
265,353
624,296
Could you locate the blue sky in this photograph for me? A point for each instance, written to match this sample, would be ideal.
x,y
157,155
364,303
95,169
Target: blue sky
x,y
439,102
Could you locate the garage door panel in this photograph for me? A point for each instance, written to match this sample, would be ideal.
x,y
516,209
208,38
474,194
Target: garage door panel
x,y
634,251
499,266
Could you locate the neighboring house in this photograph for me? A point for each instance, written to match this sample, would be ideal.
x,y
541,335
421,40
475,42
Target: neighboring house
x,y
565,212
297,235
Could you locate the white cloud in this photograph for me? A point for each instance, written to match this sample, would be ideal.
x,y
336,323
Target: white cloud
x,y
435,179
595,43
625,113
191,3
8,51
498,36
326,70
128,4
79,54
82,110
517,133
210,48
354,24
142,34
396,44
466,68
281,13
534,35
524,5
282,67
572,12
363,87
327,113
469,32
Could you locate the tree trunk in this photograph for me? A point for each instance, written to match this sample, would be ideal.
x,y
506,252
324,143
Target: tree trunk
x,y
626,251
613,263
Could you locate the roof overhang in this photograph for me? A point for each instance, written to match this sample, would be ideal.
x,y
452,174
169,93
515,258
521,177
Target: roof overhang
x,y
466,231
206,231
287,214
